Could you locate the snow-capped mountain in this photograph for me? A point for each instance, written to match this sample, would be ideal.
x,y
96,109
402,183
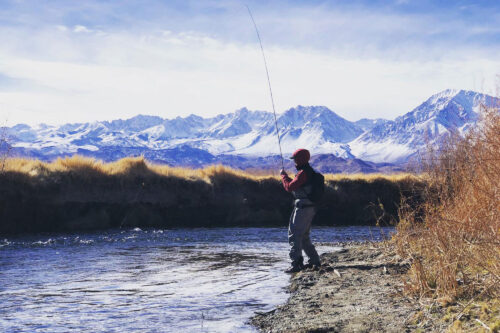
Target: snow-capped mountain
x,y
243,132
450,111
252,134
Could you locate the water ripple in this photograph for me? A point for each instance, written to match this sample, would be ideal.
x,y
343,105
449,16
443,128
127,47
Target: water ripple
x,y
209,280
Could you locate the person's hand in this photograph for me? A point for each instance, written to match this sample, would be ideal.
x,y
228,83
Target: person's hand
x,y
282,172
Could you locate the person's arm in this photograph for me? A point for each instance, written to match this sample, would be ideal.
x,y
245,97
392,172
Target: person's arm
x,y
293,184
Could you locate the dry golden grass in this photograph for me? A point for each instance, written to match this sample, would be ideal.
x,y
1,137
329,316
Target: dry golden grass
x,y
125,166
453,238
138,165
370,177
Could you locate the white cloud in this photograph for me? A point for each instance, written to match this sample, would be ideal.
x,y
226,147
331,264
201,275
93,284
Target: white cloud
x,y
109,75
81,28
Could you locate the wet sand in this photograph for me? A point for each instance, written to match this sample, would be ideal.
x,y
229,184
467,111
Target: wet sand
x,y
358,289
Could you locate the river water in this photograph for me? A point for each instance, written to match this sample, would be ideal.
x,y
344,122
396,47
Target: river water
x,y
181,280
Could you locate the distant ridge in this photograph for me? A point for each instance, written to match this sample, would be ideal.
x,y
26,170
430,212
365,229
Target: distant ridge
x,y
247,136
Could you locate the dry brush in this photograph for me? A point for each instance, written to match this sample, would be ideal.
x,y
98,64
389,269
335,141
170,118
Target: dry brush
x,y
453,238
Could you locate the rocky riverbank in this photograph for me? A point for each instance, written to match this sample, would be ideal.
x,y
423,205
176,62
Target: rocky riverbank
x,y
358,289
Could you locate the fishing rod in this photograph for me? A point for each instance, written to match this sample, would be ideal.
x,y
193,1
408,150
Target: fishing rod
x,y
269,84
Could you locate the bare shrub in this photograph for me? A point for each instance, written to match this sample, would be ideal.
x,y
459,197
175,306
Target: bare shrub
x,y
453,237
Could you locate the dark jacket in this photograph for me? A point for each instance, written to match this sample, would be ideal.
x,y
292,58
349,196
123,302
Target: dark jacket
x,y
300,186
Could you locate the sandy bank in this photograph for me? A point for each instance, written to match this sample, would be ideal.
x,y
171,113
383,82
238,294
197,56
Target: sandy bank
x,y
357,290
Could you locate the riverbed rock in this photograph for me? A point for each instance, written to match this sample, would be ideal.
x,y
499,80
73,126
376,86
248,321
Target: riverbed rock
x,y
357,299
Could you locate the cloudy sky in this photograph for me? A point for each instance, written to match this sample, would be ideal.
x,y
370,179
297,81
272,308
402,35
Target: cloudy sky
x,y
73,61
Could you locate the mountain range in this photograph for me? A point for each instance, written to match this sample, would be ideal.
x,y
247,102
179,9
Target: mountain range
x,y
247,139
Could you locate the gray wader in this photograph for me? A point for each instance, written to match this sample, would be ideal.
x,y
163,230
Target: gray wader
x,y
299,231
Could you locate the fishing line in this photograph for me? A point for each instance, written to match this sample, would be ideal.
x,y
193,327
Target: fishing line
x,y
269,84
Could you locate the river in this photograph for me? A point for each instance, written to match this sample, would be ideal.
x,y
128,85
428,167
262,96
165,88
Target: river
x,y
180,280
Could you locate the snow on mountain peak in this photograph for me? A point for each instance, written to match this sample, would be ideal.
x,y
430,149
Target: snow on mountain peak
x,y
247,132
443,113
445,94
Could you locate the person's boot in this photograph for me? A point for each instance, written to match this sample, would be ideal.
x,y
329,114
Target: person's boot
x,y
297,266
313,264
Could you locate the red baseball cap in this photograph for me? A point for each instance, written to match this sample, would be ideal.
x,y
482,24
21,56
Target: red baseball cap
x,y
301,156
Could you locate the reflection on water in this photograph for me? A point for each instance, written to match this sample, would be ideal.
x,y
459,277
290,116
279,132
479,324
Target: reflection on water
x,y
208,280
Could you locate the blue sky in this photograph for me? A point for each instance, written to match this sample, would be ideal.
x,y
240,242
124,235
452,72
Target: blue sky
x,y
70,61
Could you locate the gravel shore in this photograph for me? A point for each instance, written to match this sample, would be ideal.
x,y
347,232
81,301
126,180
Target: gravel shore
x,y
358,289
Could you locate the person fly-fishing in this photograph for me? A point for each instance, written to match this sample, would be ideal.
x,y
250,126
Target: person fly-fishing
x,y
307,188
